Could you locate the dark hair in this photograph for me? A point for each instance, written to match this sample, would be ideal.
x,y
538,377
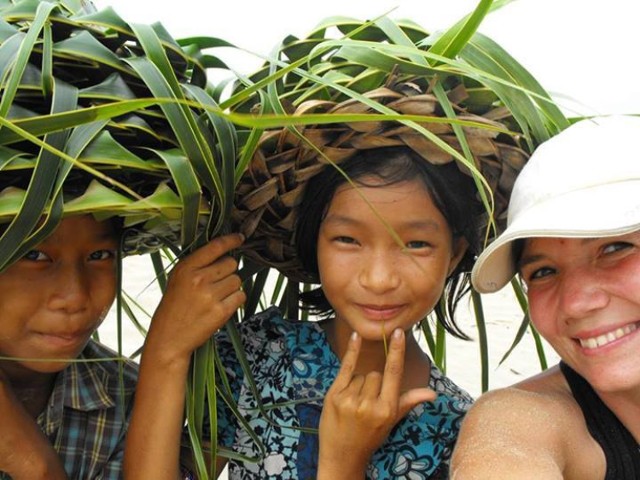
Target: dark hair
x,y
75,185
517,249
453,192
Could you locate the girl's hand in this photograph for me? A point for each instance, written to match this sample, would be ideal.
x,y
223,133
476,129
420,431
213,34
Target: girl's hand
x,y
202,293
360,411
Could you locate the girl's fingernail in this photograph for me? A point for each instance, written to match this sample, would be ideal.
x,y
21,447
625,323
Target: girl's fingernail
x,y
397,333
354,336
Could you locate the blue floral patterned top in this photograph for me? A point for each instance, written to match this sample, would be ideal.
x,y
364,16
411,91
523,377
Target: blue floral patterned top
x,y
293,367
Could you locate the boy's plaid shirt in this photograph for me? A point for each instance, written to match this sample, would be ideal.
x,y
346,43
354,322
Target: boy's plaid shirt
x,y
88,413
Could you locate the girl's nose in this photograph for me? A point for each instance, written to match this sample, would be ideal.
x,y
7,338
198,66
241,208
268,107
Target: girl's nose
x,y
379,273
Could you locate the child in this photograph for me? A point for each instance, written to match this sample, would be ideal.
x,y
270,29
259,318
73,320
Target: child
x,y
59,417
65,400
62,418
574,239
388,247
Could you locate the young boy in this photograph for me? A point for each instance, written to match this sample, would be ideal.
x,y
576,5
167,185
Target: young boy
x,y
65,400
62,418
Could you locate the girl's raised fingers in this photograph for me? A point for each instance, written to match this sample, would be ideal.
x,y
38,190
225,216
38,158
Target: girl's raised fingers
x,y
394,366
349,362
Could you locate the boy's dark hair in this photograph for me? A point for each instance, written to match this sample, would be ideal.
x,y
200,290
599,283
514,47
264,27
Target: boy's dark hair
x,y
75,185
453,193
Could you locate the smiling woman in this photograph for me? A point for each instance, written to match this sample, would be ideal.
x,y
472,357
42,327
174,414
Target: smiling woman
x,y
575,215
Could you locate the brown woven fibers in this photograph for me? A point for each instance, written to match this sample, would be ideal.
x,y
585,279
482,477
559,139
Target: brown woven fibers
x,y
273,184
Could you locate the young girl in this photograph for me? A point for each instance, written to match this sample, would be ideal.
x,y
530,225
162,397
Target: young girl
x,y
574,240
387,247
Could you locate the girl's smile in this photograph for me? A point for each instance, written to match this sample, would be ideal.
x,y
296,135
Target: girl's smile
x,y
381,312
381,270
596,342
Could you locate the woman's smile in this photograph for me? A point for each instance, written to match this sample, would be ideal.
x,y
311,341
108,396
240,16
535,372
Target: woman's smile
x,y
596,343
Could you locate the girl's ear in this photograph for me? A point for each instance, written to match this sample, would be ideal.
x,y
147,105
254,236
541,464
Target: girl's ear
x,y
460,246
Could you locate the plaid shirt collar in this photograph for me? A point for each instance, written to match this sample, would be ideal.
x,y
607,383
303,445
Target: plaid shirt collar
x,y
80,386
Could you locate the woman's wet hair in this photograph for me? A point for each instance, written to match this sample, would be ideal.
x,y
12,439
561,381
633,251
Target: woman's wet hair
x,y
453,193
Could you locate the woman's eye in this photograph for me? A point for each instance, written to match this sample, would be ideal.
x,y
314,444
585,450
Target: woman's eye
x,y
35,256
102,255
615,247
540,273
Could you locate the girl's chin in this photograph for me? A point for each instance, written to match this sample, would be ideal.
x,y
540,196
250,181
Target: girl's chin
x,y
375,334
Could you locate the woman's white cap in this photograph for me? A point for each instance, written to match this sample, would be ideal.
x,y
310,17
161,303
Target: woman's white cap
x,y
584,182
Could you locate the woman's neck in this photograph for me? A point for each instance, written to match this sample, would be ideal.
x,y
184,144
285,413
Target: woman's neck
x,y
625,406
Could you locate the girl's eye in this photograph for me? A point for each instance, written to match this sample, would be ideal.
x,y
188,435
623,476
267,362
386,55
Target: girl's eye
x,y
101,255
35,256
416,244
345,239
615,247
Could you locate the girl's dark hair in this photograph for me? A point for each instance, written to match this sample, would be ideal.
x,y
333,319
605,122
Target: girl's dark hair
x,y
453,192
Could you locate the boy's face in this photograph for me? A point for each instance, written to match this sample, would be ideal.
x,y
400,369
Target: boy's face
x,y
56,296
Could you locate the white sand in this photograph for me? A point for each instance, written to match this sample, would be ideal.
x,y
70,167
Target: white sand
x,y
502,312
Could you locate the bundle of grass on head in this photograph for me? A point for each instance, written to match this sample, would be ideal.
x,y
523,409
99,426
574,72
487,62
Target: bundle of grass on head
x,y
350,85
109,145
121,108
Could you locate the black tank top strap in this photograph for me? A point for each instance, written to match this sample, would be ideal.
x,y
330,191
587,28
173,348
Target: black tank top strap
x,y
620,448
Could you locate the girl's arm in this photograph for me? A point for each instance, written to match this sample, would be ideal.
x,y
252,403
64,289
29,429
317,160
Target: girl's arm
x,y
202,293
25,452
359,412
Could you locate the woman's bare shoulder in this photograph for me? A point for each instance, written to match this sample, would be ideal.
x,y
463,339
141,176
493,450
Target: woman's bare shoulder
x,y
527,402
529,430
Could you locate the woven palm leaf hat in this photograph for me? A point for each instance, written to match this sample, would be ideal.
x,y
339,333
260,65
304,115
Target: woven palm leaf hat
x,y
83,130
286,159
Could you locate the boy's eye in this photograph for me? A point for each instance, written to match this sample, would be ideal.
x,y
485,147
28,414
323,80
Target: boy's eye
x,y
35,256
102,255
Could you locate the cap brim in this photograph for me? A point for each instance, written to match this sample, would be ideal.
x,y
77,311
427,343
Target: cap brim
x,y
602,211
